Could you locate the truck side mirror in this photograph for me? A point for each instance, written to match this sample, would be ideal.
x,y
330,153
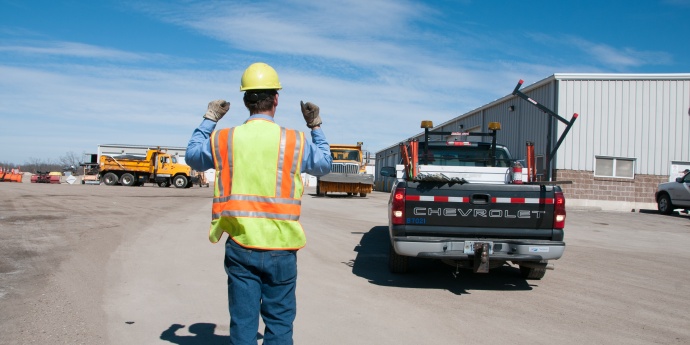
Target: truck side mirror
x,y
387,172
679,179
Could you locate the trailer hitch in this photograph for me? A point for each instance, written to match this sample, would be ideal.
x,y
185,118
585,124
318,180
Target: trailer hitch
x,y
481,257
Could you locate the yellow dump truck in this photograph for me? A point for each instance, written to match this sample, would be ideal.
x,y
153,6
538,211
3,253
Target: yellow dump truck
x,y
157,167
348,172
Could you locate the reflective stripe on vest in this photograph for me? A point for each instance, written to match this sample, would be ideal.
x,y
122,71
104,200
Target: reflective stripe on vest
x,y
258,190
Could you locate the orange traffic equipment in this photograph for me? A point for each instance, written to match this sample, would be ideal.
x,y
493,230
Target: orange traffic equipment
x,y
414,145
405,160
410,159
531,163
17,176
10,177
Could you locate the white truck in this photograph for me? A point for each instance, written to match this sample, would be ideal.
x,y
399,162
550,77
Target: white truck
x,y
469,205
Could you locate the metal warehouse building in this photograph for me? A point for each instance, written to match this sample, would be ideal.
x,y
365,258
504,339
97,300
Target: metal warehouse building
x,y
632,133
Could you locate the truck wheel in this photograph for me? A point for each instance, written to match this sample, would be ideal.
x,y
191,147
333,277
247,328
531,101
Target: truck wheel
x,y
533,273
180,181
110,179
664,204
361,195
127,179
396,263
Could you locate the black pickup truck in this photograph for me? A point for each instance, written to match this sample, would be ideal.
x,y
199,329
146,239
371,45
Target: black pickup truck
x,y
470,221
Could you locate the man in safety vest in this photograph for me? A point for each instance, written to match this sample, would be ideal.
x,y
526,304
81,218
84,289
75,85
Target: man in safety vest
x,y
257,201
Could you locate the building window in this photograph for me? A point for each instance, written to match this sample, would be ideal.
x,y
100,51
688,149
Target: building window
x,y
614,167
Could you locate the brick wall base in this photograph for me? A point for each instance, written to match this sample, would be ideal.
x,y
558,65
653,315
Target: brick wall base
x,y
584,185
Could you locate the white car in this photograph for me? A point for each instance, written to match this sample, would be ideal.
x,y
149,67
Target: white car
x,y
674,195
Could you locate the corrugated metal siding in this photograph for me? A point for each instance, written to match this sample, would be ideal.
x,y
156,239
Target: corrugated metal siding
x,y
386,158
527,122
470,121
642,119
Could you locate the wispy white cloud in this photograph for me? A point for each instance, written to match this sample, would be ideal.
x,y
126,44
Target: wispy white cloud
x,y
17,31
601,55
103,104
362,33
74,49
621,58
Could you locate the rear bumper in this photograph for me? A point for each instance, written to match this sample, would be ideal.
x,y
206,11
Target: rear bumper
x,y
503,249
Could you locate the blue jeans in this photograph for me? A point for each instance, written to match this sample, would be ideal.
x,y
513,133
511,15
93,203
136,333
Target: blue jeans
x,y
261,282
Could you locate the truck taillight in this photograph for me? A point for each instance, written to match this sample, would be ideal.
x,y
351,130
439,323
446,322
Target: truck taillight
x,y
398,207
559,211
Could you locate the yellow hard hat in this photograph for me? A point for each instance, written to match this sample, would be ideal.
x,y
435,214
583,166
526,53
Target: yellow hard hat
x,y
260,76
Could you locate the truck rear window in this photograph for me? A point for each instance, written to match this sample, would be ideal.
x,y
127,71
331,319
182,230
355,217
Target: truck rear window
x,y
478,156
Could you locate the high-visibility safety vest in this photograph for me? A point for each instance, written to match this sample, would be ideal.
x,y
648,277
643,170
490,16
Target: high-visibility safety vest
x,y
258,190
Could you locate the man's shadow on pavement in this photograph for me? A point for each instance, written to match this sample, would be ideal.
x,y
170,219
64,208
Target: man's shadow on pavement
x,y
204,333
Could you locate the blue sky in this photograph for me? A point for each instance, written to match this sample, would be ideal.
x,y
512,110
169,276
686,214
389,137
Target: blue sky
x,y
76,74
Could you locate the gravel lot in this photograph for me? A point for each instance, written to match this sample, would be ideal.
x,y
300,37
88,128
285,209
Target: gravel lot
x,y
84,264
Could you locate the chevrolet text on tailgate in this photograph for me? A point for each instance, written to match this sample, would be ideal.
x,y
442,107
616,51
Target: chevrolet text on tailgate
x,y
471,205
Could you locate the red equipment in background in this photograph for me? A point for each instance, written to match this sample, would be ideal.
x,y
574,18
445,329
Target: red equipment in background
x,y
40,177
45,177
531,163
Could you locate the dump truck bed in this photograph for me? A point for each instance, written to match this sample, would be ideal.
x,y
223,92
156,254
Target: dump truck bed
x,y
136,164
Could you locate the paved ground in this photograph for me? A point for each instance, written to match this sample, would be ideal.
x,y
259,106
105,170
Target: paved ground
x,y
83,264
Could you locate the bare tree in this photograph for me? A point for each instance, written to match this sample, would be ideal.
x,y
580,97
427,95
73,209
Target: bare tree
x,y
70,161
5,166
36,164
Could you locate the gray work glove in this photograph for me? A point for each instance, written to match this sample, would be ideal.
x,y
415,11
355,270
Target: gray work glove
x,y
216,110
310,111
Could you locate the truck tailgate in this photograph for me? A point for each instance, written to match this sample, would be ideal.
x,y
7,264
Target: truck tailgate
x,y
524,211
